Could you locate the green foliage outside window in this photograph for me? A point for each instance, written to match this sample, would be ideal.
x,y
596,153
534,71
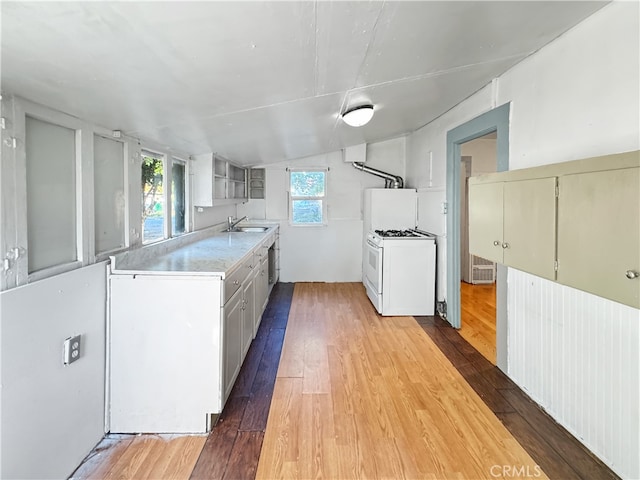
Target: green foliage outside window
x,y
151,186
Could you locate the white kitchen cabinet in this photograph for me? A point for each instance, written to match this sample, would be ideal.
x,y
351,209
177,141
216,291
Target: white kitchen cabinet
x,y
514,223
248,311
181,323
263,282
599,234
216,181
239,318
232,341
165,360
262,278
262,290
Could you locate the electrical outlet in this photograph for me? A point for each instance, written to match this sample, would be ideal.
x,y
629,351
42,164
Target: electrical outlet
x,y
72,349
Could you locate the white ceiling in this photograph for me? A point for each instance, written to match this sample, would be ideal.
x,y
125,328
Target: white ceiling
x,y
259,82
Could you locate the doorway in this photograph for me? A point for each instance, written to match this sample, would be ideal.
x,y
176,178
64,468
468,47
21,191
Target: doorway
x,y
478,275
496,120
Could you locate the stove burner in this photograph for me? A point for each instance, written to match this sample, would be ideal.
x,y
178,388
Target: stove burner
x,y
396,233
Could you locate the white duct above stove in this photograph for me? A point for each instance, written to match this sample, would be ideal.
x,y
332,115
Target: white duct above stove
x,y
355,153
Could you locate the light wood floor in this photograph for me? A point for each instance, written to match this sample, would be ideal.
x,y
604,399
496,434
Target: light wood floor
x,y
363,396
142,457
478,317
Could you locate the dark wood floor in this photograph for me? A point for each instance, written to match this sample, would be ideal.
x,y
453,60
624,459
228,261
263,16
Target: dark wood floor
x,y
557,452
232,449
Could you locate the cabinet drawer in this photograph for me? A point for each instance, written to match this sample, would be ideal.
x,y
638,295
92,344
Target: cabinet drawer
x,y
233,282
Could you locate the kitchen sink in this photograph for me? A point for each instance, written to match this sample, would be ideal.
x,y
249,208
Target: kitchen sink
x,y
251,229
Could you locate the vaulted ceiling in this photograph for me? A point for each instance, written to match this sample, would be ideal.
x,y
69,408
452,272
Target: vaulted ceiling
x,y
259,82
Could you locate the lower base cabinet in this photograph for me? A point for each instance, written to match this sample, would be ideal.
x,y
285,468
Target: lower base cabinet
x,y
232,333
261,291
165,355
248,311
177,343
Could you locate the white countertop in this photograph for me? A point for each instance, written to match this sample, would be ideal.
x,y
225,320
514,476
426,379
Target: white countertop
x,y
214,255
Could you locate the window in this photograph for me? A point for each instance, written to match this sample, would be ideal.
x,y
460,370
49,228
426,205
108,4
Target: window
x,y
152,197
307,197
178,196
51,194
109,203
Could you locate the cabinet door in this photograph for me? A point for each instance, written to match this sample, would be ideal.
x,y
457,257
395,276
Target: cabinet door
x,y
203,180
529,239
485,221
599,233
248,313
264,282
232,341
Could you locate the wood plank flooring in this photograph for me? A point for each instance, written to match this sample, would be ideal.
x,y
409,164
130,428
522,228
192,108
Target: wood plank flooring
x,y
142,457
365,417
358,395
560,455
233,447
478,317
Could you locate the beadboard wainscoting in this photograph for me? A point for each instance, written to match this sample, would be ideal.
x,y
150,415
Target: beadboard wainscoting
x,y
578,355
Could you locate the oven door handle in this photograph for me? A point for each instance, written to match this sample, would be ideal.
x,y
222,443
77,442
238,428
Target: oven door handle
x,y
371,244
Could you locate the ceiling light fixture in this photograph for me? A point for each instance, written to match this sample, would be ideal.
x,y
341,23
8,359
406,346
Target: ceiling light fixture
x,y
358,116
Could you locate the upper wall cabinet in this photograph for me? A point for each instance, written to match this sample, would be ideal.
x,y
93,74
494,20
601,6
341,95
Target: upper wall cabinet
x,y
599,234
575,222
514,223
217,181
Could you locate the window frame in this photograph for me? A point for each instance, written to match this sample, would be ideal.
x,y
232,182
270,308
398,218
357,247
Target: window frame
x,y
187,197
103,255
323,198
13,179
83,215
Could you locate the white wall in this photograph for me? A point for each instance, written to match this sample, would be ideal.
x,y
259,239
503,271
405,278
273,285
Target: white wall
x,y
210,216
52,415
574,353
429,177
331,253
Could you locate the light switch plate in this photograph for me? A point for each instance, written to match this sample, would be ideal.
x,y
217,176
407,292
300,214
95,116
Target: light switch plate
x,y
72,349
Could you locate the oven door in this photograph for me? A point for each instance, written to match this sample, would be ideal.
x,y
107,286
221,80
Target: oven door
x,y
373,274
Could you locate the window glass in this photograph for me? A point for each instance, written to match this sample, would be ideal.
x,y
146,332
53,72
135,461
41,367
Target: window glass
x,y
178,189
307,184
307,192
307,211
51,194
109,203
152,198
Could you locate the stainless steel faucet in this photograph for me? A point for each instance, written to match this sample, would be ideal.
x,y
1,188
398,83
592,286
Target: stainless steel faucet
x,y
231,223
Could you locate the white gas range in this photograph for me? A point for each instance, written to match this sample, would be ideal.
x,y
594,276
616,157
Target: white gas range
x,y
399,271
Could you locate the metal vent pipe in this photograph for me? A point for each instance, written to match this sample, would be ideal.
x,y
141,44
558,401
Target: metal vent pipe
x,y
390,181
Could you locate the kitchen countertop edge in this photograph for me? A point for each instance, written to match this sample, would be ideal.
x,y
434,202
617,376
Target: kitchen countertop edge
x,y
218,254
